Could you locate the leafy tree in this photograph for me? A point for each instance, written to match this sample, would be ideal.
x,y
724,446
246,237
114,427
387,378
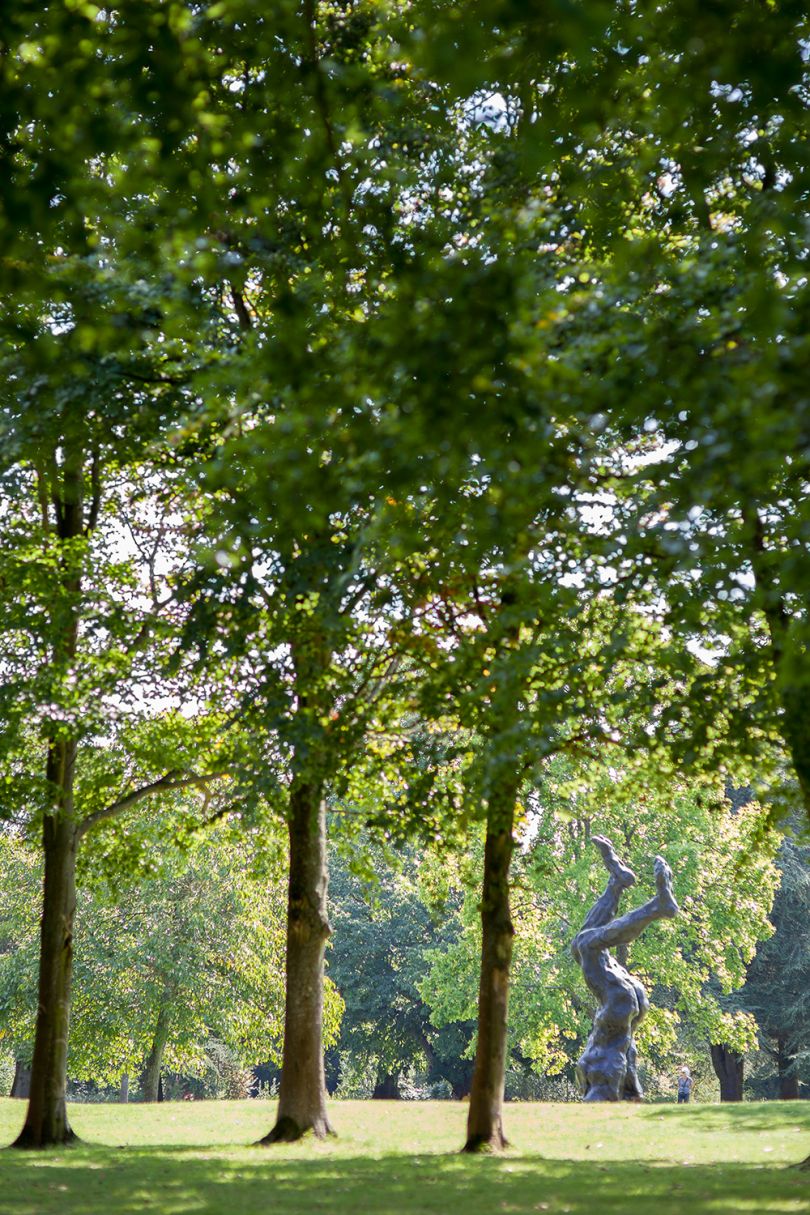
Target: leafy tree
x,y
776,985
147,943
548,337
78,627
385,925
724,885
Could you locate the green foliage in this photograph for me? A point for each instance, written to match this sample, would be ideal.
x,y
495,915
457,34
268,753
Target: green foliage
x,y
777,982
199,939
724,879
383,931
423,386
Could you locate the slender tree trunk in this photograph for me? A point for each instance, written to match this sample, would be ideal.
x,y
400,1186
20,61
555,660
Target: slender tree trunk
x,y
21,1084
46,1122
124,1091
485,1118
728,1066
150,1083
302,1096
386,1088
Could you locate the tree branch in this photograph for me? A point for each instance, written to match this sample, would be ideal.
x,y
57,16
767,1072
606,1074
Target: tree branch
x,y
174,779
245,319
95,500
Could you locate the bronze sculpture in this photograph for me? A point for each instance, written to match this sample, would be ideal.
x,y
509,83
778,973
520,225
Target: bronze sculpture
x,y
606,1070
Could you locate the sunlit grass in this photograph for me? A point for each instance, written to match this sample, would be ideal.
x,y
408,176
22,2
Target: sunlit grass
x,y
401,1157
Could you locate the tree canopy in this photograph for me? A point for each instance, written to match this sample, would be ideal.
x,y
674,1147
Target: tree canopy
x,y
404,411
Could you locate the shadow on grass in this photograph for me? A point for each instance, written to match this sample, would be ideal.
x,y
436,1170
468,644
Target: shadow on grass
x,y
756,1116
182,1181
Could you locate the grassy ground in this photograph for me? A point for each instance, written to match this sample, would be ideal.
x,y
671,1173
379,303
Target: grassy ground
x,y
184,1158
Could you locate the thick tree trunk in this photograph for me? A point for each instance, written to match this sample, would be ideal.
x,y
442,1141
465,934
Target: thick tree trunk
x,y
46,1122
150,1083
728,1066
302,1096
21,1084
789,1087
788,656
788,1075
124,1091
485,1119
386,1089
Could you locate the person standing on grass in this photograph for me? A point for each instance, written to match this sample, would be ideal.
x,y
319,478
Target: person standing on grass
x,y
684,1085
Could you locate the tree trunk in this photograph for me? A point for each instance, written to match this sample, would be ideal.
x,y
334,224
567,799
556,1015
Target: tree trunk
x,y
124,1093
302,1096
789,1087
21,1084
728,1065
788,658
386,1089
150,1083
46,1121
788,1074
485,1119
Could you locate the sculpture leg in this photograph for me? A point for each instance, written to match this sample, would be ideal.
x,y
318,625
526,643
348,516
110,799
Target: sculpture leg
x,y
626,928
606,906
632,1085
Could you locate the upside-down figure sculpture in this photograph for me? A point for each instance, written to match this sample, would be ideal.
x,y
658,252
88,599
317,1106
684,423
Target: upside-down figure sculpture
x,y
606,1070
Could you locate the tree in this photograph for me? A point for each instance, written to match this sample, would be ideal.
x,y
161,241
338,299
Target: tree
x,y
77,627
776,985
191,937
384,928
195,945
507,314
724,887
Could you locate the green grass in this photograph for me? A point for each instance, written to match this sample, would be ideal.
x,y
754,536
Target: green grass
x,y
392,1157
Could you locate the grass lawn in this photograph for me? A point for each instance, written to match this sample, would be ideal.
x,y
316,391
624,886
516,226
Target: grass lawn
x,y
397,1156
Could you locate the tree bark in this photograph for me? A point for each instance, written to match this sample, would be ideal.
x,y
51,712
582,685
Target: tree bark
x,y
788,658
46,1121
386,1088
124,1091
788,1075
150,1083
728,1065
21,1084
302,1096
485,1118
